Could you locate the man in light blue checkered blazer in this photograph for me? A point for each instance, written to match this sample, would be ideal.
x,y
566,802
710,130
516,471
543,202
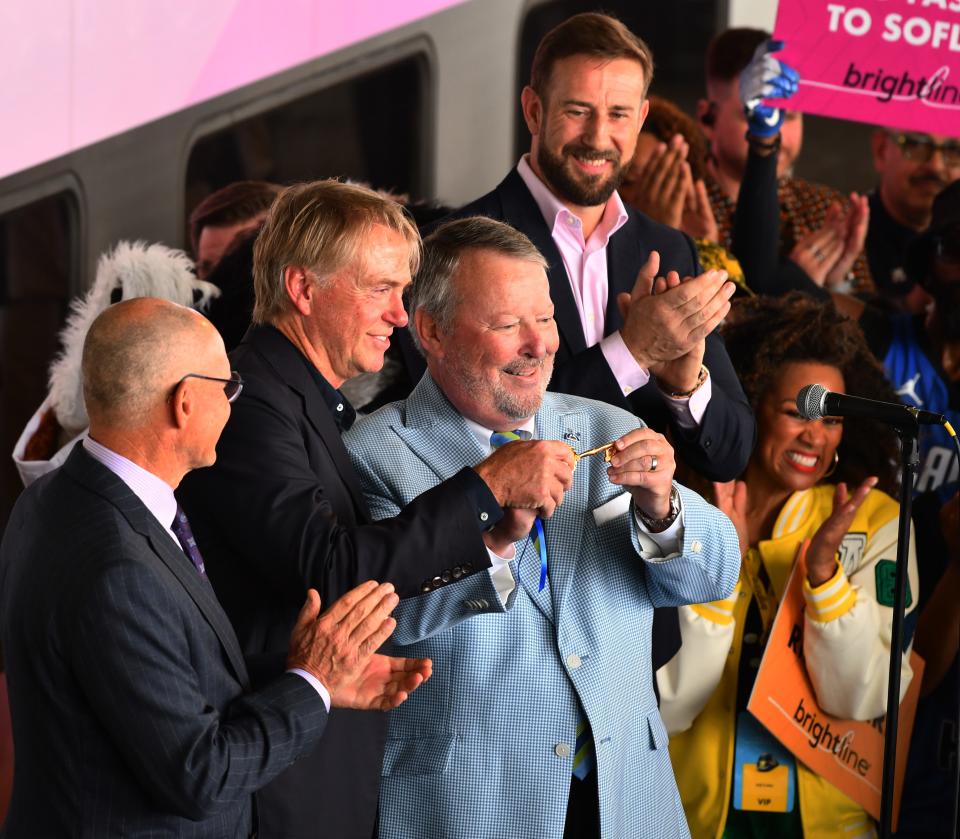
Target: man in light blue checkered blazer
x,y
540,721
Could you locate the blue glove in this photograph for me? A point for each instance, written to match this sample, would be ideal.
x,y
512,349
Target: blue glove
x,y
763,77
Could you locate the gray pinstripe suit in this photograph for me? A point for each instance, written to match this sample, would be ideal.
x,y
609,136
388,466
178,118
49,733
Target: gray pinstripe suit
x,y
478,750
130,699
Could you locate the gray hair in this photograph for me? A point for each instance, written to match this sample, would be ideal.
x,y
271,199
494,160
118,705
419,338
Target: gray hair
x,y
433,289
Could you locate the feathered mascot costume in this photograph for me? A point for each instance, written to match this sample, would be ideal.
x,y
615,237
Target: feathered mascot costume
x,y
129,270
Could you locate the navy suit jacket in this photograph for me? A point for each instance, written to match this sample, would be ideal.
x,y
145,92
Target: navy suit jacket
x,y
131,703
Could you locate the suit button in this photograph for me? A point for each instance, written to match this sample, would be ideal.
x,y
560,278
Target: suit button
x,y
697,546
561,750
754,663
457,572
484,516
573,661
436,582
707,443
446,576
750,638
426,587
467,567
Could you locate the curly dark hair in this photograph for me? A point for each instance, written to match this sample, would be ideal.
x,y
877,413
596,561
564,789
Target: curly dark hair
x,y
765,333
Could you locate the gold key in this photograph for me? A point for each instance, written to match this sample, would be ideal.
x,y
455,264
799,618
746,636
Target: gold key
x,y
606,449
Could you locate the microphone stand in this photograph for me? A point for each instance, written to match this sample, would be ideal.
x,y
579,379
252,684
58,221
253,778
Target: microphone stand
x,y
908,433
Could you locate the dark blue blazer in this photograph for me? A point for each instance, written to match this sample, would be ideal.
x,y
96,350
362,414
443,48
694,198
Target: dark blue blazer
x,y
131,704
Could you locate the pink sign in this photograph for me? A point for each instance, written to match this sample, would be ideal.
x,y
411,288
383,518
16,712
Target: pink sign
x,y
886,62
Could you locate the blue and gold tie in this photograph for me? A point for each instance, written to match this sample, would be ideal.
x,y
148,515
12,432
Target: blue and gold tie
x,y
584,758
537,537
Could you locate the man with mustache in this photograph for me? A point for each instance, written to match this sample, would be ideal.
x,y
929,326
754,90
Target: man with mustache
x,y
654,354
914,168
544,722
281,510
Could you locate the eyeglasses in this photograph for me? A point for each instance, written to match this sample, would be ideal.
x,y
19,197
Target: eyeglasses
x,y
231,386
920,148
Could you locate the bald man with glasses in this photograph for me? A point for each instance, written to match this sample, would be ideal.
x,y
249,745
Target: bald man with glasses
x,y
132,707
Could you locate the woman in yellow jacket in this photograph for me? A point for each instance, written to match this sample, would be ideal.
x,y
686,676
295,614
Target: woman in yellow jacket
x,y
783,499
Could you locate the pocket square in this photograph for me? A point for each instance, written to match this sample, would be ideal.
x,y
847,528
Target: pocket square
x,y
614,508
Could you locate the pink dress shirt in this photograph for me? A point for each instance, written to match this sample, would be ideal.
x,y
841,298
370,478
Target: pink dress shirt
x,y
586,266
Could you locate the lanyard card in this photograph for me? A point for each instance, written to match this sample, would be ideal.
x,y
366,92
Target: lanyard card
x,y
764,772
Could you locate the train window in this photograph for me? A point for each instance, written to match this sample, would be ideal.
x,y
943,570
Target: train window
x,y
370,128
677,33
38,269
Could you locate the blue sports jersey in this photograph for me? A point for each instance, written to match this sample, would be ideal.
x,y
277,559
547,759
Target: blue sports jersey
x,y
918,383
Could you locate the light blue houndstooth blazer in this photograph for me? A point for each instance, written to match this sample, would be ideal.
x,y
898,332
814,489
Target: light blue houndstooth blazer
x,y
478,752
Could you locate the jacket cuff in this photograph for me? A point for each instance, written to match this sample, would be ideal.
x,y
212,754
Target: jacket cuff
x,y
831,600
719,611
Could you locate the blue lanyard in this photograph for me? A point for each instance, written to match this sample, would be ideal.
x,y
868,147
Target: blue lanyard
x,y
537,535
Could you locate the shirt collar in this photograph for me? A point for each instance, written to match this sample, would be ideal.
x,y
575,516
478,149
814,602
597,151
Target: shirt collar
x,y
554,212
155,493
483,434
340,408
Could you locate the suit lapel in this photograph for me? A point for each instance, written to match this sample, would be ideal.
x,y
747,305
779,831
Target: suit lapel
x,y
623,254
521,211
200,591
436,433
291,368
102,481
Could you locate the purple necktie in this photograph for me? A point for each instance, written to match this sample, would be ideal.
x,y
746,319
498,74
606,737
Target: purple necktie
x,y
181,529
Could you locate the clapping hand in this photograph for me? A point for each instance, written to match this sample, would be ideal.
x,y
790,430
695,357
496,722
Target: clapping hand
x,y
661,187
666,321
731,499
698,219
827,254
339,647
852,230
822,552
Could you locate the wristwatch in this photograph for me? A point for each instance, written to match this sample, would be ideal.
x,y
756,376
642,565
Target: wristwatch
x,y
659,525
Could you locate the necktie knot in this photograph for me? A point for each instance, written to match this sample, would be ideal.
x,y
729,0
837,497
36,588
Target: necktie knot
x,y
501,438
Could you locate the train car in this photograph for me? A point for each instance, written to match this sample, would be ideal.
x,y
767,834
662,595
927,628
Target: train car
x,y
120,116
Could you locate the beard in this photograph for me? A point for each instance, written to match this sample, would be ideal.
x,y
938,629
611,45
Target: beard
x,y
585,190
512,405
